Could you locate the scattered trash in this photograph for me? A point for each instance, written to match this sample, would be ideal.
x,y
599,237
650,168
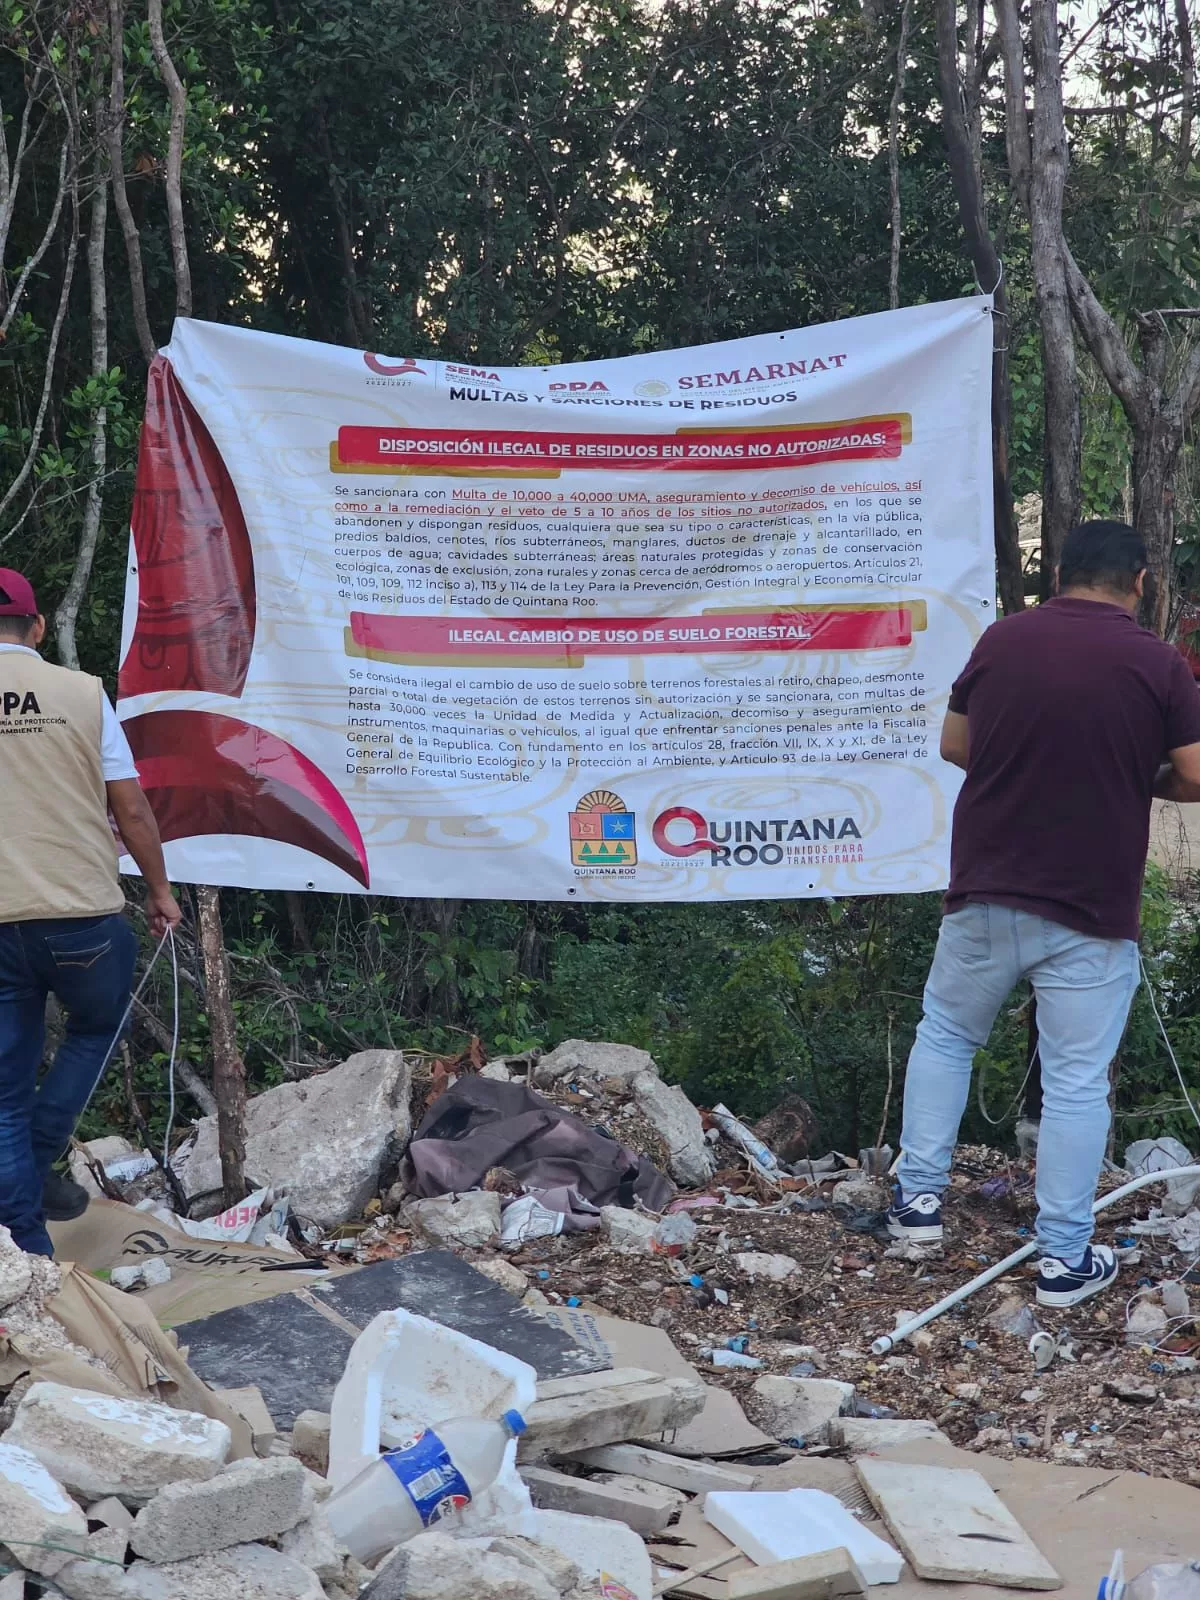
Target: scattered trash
x,y
733,1358
761,1158
527,1218
1160,1155
674,1234
1171,1580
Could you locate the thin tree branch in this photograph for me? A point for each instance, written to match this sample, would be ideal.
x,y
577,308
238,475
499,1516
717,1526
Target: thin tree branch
x,y
115,138
44,244
67,615
177,96
1016,99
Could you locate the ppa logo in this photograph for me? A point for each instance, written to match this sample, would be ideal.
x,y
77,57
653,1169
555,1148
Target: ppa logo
x,y
745,841
20,705
392,369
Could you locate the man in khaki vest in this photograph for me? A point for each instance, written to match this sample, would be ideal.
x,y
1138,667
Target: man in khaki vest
x,y
64,765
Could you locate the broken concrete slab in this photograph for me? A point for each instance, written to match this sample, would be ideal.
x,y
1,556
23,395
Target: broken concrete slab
x,y
112,1513
690,1158
391,1579
441,1568
952,1526
323,1141
312,1543
630,1232
252,1408
464,1221
245,1571
145,1274
578,1058
36,1510
510,1278
310,1440
573,1414
864,1194
674,1472
248,1501
862,1434
818,1577
541,1558
645,1507
101,1444
802,1408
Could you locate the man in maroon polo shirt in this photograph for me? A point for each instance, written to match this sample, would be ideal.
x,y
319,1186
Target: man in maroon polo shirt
x,y
1067,720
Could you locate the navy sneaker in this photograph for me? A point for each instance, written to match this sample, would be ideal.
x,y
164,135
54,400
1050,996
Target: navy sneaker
x,y
918,1220
1060,1284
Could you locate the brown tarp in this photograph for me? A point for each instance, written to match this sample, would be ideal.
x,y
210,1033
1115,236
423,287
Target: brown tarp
x,y
480,1123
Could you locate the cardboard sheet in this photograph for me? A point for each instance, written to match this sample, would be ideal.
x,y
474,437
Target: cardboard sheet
x,y
1077,1516
721,1429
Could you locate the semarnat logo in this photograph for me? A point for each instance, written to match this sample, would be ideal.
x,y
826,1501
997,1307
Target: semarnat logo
x,y
392,369
755,841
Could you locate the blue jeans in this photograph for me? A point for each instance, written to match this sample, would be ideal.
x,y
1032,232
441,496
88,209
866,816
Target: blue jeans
x,y
87,962
1084,989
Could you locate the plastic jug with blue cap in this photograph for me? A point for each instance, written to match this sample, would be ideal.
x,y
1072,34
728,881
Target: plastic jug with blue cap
x,y
430,1476
1166,1580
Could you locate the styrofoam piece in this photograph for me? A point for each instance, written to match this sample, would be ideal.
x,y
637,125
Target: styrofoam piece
x,y
405,1369
781,1525
608,1554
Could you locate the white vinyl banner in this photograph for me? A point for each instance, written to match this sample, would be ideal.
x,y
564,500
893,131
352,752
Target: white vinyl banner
x,y
675,626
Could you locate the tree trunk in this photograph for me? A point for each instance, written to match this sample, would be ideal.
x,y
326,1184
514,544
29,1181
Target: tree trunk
x,y
1062,438
228,1070
177,96
1156,447
968,191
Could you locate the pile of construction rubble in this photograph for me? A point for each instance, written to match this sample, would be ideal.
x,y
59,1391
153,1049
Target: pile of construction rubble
x,y
765,1273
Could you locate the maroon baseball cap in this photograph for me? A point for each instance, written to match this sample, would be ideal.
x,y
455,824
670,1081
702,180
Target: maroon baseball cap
x,y
17,598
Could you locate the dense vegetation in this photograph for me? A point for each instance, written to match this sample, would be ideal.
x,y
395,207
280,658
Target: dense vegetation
x,y
531,181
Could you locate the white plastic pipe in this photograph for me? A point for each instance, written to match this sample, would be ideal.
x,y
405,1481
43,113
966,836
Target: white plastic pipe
x,y
889,1341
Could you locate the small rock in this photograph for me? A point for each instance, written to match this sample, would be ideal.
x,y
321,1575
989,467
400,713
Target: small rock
x,y
504,1273
989,1438
1013,1316
310,1440
760,1264
466,1221
497,1071
921,1340
1068,1456
971,1392
801,1408
861,1435
391,1578
141,1275
630,1232
863,1194
1131,1391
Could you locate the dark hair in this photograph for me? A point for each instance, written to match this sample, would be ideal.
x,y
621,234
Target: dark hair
x,y
1101,555
17,628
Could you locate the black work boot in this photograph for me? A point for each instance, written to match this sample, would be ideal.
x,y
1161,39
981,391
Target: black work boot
x,y
63,1198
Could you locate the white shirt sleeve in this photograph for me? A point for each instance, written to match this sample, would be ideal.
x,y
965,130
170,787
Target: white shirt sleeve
x,y
116,757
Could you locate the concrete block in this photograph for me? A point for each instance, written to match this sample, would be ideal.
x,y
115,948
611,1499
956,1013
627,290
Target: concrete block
x,y
250,1500
801,1408
310,1440
542,1558
99,1444
35,1510
816,1577
457,1221
573,1414
111,1513
579,1058
630,1232
675,1472
647,1508
504,1273
606,1552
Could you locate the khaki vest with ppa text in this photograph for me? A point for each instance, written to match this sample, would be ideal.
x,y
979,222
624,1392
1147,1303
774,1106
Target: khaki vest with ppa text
x,y
57,853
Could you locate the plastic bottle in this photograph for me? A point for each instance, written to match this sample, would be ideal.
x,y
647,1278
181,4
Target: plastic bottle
x,y
429,1477
1166,1580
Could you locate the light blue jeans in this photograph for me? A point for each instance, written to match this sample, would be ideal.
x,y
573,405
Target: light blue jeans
x,y
1084,990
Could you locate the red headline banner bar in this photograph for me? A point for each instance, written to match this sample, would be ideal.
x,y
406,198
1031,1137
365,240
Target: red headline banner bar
x,y
482,448
430,638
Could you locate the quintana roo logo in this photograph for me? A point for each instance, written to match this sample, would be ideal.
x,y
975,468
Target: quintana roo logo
x,y
603,832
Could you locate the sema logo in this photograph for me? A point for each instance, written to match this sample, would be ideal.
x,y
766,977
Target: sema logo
x,y
603,833
757,841
383,367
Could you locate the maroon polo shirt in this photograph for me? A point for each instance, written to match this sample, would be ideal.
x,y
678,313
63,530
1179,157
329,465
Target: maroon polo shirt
x,y
1071,709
